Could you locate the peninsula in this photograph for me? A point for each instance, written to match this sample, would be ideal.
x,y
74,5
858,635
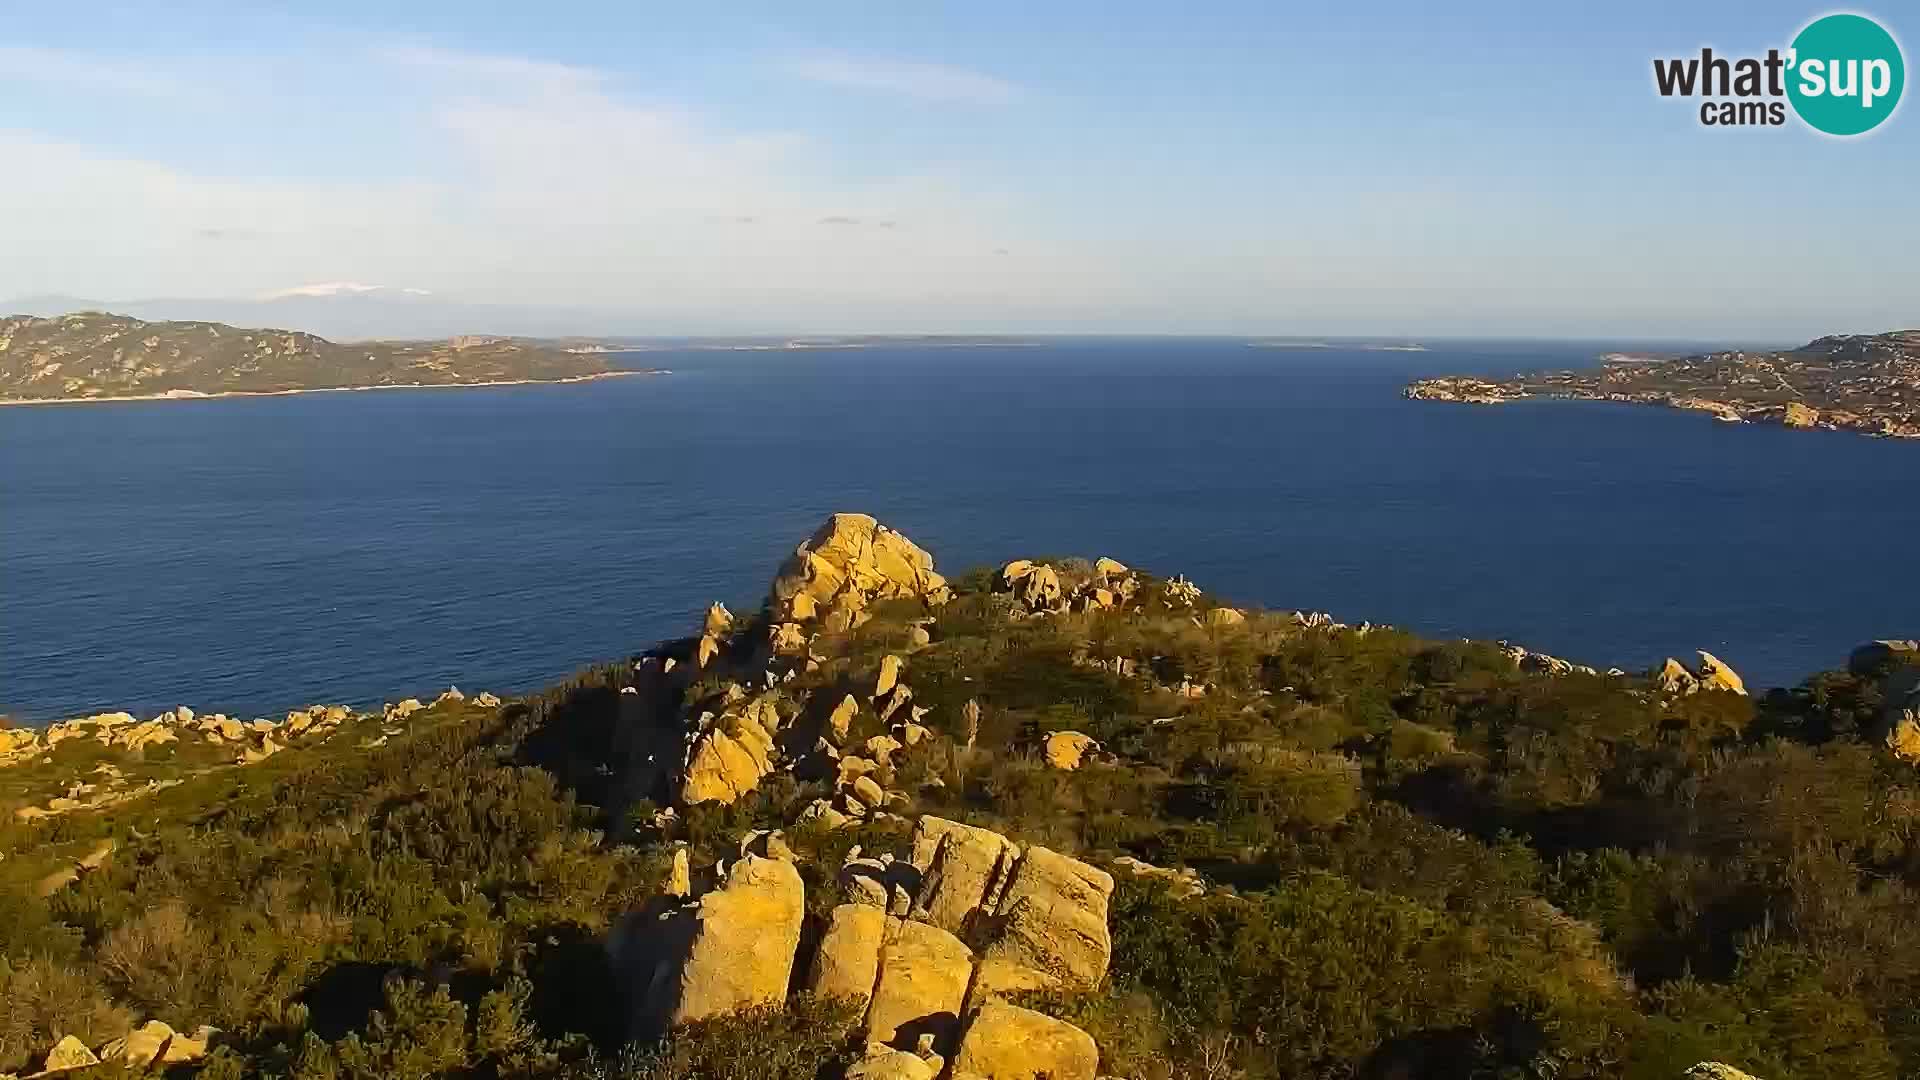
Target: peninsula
x,y
95,356
1866,383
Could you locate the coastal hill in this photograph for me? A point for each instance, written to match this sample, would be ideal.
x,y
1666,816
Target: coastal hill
x,y
95,356
1060,818
1863,383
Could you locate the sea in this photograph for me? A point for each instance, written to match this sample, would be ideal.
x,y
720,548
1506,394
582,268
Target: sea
x,y
248,555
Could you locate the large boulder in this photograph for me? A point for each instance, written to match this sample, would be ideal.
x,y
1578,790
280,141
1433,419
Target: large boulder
x,y
848,960
743,939
141,1046
1007,1042
1716,675
68,1053
727,760
850,562
1224,616
965,869
1036,587
922,985
1050,927
1065,749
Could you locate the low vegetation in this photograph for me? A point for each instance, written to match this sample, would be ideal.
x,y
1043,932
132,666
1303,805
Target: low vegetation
x,y
1421,862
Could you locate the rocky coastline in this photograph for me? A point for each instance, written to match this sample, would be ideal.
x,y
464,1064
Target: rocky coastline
x,y
1868,385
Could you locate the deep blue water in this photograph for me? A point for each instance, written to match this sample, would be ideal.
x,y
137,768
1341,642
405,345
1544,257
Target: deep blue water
x,y
251,554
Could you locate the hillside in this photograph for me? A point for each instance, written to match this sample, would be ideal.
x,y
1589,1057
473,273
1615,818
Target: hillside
x,y
92,355
1063,818
1862,383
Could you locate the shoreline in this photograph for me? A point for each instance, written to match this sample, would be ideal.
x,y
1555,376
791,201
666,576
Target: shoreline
x,y
196,395
1733,413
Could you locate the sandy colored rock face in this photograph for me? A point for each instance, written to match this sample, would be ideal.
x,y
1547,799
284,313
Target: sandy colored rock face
x,y
851,561
1224,616
1035,587
891,1065
787,639
848,961
1800,416
744,942
184,1047
1110,568
13,740
966,870
719,620
728,759
842,717
68,1053
1065,749
1713,1070
924,972
141,1046
1716,675
1903,737
889,675
1052,926
1006,1042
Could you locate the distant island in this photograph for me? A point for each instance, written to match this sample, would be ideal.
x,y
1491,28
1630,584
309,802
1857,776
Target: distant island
x,y
1866,383
1361,346
95,356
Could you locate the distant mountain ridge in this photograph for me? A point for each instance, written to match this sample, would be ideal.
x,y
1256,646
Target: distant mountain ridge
x,y
96,355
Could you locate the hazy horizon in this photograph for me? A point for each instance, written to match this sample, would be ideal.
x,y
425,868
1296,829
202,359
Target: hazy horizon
x,y
1384,170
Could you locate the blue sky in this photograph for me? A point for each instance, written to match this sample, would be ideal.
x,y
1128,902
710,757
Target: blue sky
x,y
1353,168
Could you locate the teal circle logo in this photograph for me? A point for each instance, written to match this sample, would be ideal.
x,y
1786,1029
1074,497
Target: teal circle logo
x,y
1845,74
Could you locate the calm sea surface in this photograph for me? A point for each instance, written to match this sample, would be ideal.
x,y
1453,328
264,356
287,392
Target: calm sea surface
x,y
250,554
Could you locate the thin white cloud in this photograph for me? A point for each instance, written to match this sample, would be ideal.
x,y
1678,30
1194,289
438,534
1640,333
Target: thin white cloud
x,y
87,72
492,70
324,288
931,82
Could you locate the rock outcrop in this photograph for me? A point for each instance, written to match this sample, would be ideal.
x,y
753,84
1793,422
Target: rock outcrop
x,y
849,563
1014,922
729,753
1711,674
1035,586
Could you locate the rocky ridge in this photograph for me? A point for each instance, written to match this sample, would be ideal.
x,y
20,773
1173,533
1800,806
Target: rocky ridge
x,y
933,941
